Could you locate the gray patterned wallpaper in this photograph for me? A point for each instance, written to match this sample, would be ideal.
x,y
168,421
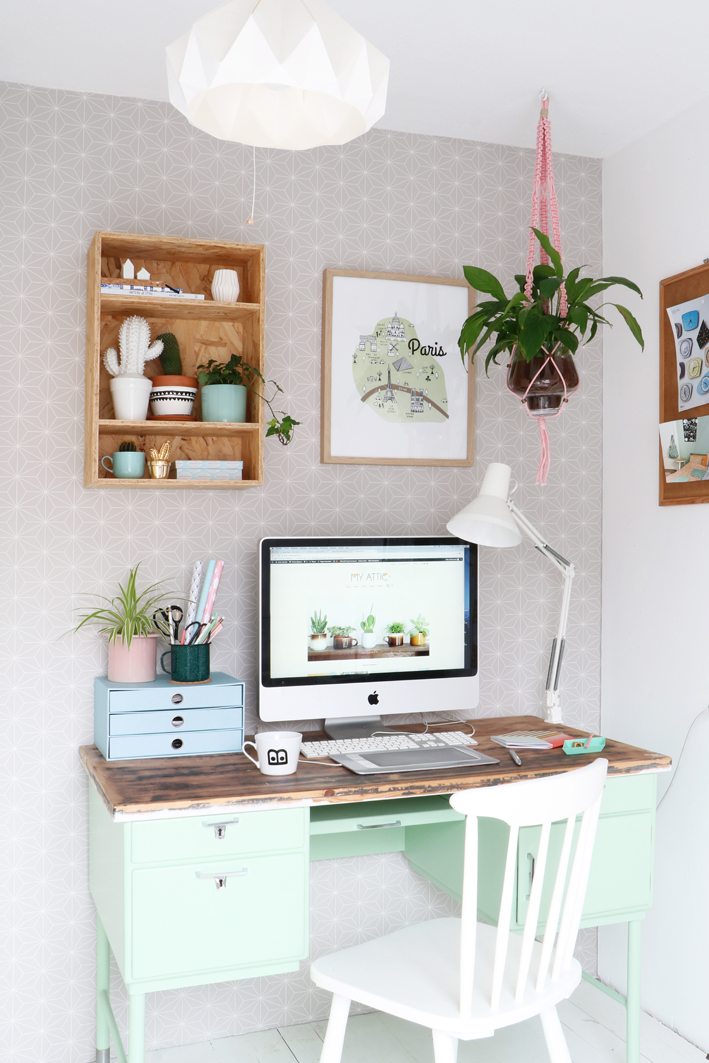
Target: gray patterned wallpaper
x,y
71,164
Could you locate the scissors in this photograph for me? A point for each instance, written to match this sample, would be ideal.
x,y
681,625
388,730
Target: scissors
x,y
188,639
168,621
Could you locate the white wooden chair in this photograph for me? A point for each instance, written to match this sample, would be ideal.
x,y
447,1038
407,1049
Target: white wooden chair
x,y
464,979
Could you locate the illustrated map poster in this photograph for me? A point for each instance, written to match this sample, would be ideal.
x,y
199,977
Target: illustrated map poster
x,y
690,327
399,392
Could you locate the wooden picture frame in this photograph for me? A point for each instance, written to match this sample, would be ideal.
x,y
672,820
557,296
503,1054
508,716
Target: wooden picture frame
x,y
395,422
691,284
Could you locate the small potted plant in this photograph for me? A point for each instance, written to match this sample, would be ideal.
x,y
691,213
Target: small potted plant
x,y
395,633
418,634
540,330
127,621
369,639
130,388
318,632
341,637
223,387
173,394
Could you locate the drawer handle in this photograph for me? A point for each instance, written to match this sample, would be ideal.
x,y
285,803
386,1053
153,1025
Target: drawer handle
x,y
378,826
177,699
221,878
177,743
220,828
177,721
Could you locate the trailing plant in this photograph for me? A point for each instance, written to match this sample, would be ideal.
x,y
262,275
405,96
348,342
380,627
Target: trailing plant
x,y
396,628
129,613
134,349
318,624
419,626
525,328
238,371
369,622
128,448
170,359
342,631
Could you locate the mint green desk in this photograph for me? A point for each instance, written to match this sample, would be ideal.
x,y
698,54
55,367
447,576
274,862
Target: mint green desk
x,y
185,856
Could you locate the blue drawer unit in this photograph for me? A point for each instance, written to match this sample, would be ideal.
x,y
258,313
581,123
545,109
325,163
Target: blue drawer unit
x,y
165,719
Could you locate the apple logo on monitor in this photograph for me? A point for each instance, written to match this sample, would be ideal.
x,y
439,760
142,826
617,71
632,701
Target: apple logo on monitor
x,y
373,698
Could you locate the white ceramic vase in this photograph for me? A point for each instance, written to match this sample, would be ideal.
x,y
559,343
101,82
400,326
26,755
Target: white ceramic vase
x,y
369,640
225,286
130,395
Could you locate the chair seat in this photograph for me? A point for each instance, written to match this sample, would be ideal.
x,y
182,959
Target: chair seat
x,y
413,974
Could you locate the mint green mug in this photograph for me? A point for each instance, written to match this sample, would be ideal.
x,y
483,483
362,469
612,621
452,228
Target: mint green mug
x,y
125,464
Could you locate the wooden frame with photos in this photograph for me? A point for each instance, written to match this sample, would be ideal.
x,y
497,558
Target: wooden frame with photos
x,y
691,284
329,453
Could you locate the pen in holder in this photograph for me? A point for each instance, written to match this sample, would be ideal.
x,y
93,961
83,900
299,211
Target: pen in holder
x,y
187,664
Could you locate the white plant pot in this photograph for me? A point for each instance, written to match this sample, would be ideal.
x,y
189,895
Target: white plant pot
x,y
130,395
317,642
225,286
369,640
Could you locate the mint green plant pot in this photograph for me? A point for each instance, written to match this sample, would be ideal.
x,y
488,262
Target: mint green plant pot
x,y
224,402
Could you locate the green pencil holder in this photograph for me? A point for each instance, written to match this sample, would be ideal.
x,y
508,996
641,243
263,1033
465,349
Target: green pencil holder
x,y
187,664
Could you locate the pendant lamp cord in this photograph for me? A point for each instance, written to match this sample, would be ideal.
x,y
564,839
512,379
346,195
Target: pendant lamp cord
x,y
252,218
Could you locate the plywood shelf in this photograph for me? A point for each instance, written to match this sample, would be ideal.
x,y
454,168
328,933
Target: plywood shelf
x,y
204,329
175,428
157,307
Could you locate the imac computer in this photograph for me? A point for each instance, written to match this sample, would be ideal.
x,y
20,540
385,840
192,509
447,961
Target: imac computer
x,y
352,628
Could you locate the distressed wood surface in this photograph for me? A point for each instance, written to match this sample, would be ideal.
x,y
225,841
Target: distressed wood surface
x,y
194,784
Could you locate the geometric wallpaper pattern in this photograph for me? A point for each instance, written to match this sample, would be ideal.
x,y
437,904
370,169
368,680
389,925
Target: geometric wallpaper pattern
x,y
71,164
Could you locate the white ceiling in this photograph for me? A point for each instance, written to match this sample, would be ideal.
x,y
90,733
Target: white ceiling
x,y
615,69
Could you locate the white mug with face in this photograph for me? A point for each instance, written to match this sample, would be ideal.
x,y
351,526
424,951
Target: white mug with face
x,y
277,752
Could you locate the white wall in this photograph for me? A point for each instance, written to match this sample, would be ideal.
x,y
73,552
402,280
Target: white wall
x,y
655,678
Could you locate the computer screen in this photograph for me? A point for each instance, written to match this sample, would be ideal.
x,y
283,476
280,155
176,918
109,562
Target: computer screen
x,y
338,615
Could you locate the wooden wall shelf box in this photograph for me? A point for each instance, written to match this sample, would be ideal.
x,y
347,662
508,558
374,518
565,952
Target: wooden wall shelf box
x,y
205,329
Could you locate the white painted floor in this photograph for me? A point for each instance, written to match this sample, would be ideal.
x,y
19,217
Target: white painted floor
x,y
592,1022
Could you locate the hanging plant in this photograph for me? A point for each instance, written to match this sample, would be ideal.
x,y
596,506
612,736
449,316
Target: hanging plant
x,y
541,326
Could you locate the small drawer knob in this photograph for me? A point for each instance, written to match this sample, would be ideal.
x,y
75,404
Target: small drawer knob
x,y
176,743
177,721
177,699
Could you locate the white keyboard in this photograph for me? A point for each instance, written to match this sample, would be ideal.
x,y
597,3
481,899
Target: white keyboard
x,y
387,743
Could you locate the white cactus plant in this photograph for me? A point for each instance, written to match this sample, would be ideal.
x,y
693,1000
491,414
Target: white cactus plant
x,y
135,349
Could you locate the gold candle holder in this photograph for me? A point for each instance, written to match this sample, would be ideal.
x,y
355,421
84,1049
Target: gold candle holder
x,y
159,462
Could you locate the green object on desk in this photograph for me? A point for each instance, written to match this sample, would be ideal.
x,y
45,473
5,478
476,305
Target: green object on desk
x,y
187,664
592,744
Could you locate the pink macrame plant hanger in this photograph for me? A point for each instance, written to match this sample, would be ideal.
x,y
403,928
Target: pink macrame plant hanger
x,y
557,382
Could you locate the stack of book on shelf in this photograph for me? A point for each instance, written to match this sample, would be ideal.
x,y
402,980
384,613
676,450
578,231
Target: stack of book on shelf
x,y
209,470
160,291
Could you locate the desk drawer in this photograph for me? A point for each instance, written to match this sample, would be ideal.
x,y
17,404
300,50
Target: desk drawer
x,y
217,837
178,720
183,923
191,743
199,696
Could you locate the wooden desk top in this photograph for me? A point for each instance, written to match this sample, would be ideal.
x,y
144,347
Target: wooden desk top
x,y
161,787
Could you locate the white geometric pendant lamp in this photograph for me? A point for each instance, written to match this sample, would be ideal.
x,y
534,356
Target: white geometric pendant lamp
x,y
277,74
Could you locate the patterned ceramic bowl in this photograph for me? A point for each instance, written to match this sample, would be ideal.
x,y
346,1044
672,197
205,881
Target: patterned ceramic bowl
x,y
172,398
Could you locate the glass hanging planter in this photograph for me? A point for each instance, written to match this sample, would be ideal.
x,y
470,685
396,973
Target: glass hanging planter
x,y
544,383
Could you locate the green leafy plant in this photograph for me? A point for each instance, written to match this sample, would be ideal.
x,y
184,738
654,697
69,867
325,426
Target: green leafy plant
x,y
339,630
129,613
525,329
367,625
127,448
396,628
238,371
170,359
318,624
419,626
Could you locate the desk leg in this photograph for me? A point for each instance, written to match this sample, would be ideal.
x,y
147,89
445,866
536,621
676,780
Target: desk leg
x,y
632,1003
103,974
136,1028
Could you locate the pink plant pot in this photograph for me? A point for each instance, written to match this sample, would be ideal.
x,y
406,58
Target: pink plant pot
x,y
136,663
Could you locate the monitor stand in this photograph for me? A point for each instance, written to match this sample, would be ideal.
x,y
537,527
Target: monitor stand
x,y
352,726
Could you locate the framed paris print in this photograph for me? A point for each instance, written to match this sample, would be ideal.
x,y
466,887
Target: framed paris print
x,y
394,388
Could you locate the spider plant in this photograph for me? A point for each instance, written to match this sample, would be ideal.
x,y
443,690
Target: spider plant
x,y
129,614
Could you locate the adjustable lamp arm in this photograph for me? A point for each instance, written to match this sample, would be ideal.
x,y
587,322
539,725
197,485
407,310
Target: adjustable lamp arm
x,y
552,708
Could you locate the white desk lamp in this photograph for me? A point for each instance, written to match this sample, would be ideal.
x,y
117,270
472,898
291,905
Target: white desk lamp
x,y
492,519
